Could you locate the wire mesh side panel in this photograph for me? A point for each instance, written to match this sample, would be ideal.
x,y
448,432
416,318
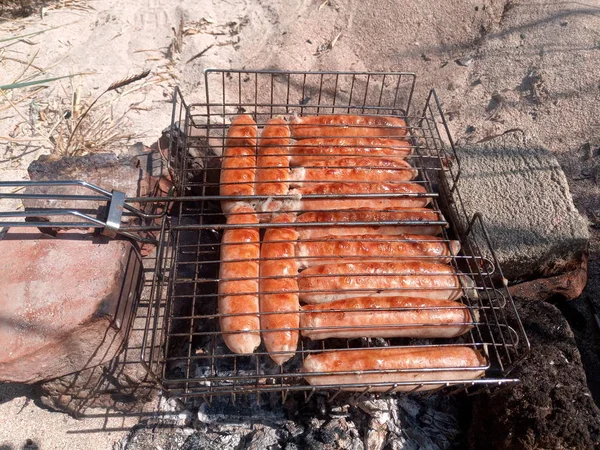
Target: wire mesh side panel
x,y
197,362
266,94
155,304
499,325
151,310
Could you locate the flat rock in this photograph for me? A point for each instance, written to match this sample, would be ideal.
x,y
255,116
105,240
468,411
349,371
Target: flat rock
x,y
136,173
65,302
552,407
524,198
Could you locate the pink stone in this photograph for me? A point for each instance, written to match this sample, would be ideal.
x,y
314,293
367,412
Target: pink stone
x,y
65,302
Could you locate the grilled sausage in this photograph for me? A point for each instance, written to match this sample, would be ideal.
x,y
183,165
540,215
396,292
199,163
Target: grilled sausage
x,y
462,363
322,284
279,295
238,298
306,151
409,222
353,170
273,172
238,164
347,125
337,250
386,317
415,196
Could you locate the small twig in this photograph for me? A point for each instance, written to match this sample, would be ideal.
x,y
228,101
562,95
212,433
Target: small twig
x,y
28,64
334,41
200,54
150,50
31,139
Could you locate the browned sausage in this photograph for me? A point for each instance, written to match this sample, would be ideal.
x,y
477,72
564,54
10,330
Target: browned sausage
x,y
360,168
322,284
347,125
462,363
415,196
337,250
238,298
306,151
408,222
279,295
238,164
386,317
273,171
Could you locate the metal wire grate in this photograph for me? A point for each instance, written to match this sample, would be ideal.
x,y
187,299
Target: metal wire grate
x,y
196,361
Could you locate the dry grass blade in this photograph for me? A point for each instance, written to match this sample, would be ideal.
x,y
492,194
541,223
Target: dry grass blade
x,y
128,81
23,36
176,45
36,82
27,66
112,87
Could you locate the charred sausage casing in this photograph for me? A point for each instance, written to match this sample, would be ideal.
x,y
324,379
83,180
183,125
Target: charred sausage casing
x,y
365,169
372,247
386,317
347,125
322,284
307,151
416,220
460,363
396,195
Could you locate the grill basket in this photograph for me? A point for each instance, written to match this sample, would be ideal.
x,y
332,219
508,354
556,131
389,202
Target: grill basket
x,y
184,349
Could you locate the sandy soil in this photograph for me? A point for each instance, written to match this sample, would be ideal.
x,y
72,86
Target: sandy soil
x,y
24,423
497,65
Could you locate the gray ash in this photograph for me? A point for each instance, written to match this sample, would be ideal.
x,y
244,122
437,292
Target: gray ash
x,y
416,422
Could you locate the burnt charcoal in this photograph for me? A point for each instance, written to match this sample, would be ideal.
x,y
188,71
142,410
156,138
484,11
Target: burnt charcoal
x,y
265,438
245,409
152,436
199,441
552,407
413,422
263,422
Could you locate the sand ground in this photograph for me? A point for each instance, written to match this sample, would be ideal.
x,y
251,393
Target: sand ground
x,y
497,65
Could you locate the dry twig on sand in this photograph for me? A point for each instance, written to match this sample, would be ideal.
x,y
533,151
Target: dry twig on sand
x,y
328,46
